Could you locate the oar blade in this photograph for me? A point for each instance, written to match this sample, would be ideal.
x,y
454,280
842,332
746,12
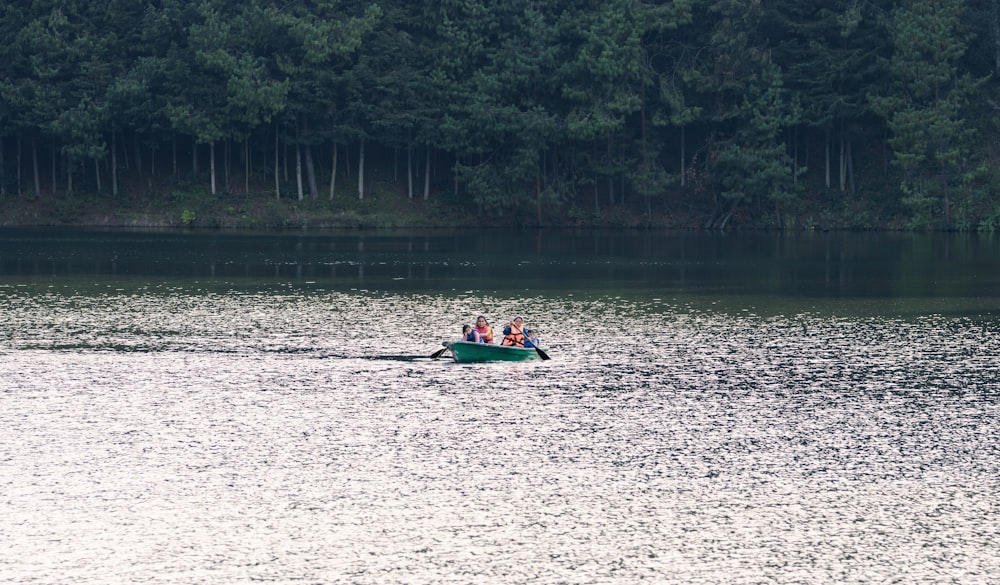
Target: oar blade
x,y
439,352
542,354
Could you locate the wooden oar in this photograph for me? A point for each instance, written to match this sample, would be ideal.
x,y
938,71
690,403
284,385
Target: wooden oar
x,y
438,353
541,353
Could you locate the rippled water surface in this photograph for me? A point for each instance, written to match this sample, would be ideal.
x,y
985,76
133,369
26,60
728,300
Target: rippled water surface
x,y
278,419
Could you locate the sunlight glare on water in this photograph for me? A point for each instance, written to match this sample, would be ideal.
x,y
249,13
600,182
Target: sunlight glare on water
x,y
165,434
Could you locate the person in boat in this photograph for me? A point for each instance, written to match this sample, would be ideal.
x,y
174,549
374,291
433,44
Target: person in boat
x,y
484,330
530,339
513,333
470,334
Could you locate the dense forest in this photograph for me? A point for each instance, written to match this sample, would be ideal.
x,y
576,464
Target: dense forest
x,y
717,113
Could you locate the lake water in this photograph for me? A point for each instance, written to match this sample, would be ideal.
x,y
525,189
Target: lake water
x,y
233,408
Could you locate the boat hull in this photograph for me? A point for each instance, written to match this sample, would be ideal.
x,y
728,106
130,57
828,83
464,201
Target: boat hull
x,y
471,352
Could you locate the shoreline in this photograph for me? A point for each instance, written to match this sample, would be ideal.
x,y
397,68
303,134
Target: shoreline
x,y
261,211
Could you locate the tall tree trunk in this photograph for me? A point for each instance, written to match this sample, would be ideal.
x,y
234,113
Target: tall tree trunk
x,y
649,205
538,197
311,174
97,173
277,163
645,163
34,161
125,164
826,146
409,172
885,151
840,168
69,176
114,164
597,182
947,200
427,174
795,155
20,148
248,166
211,162
361,171
683,156
611,185
347,163
226,158
333,172
138,152
52,167
545,168
298,170
851,183
843,161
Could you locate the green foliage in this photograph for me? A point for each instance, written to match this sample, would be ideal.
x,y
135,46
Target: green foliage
x,y
932,141
603,106
748,155
991,224
582,217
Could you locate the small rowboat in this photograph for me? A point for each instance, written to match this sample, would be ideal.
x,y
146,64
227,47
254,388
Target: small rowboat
x,y
470,352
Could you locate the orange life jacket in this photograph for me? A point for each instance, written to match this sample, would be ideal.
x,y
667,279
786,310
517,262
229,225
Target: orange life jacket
x,y
514,338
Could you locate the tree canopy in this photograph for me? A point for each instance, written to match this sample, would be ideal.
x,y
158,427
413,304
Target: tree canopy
x,y
737,111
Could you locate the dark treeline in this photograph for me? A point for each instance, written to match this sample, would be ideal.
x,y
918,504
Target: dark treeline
x,y
755,111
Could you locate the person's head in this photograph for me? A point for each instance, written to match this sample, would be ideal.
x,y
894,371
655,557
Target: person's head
x,y
481,321
466,329
518,320
529,332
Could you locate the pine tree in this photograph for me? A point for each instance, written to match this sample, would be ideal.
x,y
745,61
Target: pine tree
x,y
932,141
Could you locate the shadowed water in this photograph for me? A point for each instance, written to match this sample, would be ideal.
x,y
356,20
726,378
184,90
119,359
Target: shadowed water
x,y
164,430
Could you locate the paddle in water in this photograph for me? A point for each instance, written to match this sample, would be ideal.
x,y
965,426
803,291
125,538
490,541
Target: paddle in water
x,y
521,332
438,353
541,353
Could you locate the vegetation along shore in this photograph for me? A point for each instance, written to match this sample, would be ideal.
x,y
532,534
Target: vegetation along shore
x,y
708,114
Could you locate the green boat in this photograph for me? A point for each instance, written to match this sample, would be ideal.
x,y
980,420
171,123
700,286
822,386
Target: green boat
x,y
471,352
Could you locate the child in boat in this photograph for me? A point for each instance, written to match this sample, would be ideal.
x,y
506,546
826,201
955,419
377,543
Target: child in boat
x,y
470,334
530,339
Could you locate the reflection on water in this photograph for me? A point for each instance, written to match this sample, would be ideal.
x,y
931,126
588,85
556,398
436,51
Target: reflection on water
x,y
817,265
232,429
